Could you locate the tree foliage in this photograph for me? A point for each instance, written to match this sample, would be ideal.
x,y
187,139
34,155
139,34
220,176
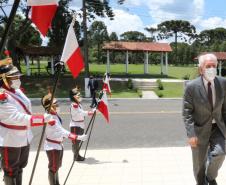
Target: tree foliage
x,y
133,36
97,36
177,28
60,25
113,36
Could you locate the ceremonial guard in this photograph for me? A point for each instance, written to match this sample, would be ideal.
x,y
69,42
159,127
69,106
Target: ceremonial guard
x,y
16,121
54,138
77,123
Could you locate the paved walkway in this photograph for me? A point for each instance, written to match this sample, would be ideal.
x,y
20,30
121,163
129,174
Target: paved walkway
x,y
136,166
149,95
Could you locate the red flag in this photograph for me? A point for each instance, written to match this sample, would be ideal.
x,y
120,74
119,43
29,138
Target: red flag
x,y
106,85
71,54
42,14
103,106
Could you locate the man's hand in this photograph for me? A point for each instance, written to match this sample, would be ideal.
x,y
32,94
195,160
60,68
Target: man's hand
x,y
193,142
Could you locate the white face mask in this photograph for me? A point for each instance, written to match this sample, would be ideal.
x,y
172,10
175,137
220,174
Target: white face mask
x,y
210,73
57,110
16,84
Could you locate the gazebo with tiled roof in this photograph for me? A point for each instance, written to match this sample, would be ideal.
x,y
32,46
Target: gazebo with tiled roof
x,y
38,51
146,47
221,56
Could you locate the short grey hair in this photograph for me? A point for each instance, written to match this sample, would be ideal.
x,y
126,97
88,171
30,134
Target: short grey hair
x,y
205,57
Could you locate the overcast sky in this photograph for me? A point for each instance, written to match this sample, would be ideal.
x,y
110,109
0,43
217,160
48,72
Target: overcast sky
x,y
138,14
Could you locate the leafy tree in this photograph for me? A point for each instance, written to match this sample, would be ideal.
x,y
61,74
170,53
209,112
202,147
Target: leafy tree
x,y
177,28
60,24
113,36
97,35
100,8
209,37
133,36
152,31
30,37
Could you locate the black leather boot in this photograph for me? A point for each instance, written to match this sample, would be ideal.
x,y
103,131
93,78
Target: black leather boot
x,y
9,180
79,158
57,179
19,179
52,178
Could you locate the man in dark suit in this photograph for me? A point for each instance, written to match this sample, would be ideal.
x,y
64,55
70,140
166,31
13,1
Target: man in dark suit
x,y
204,112
93,87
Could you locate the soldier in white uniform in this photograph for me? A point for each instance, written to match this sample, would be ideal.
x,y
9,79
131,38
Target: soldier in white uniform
x,y
55,135
77,123
16,121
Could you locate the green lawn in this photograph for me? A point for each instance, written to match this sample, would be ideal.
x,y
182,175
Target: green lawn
x,y
118,90
154,70
135,70
171,90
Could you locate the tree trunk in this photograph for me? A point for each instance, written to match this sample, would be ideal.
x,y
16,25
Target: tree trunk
x,y
8,25
85,43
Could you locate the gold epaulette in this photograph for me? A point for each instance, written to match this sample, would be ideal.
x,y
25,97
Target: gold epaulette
x,y
5,61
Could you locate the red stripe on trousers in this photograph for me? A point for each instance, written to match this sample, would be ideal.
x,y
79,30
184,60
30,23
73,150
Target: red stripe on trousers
x,y
6,161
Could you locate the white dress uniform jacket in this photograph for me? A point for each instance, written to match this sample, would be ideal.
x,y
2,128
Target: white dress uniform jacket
x,y
55,135
77,115
15,119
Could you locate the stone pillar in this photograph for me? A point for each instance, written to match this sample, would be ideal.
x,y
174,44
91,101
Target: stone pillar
x,y
87,91
28,70
108,61
146,64
220,68
162,72
166,62
127,62
52,65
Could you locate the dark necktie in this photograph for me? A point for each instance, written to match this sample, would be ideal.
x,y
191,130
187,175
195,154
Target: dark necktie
x,y
210,95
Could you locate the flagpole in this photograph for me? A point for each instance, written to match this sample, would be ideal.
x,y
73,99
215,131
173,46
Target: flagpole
x,y
59,69
89,139
91,123
9,25
77,152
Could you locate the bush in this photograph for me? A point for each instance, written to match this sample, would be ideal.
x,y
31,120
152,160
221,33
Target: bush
x,y
160,95
130,84
160,85
186,77
139,92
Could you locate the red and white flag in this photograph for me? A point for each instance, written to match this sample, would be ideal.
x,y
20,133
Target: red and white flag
x,y
103,106
72,55
106,85
42,13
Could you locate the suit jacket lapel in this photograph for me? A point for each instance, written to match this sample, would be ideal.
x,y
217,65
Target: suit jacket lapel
x,y
203,92
218,90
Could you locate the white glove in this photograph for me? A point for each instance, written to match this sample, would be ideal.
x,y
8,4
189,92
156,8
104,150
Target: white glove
x,y
82,137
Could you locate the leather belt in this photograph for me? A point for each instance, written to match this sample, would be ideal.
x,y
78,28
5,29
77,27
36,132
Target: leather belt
x,y
53,141
13,127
